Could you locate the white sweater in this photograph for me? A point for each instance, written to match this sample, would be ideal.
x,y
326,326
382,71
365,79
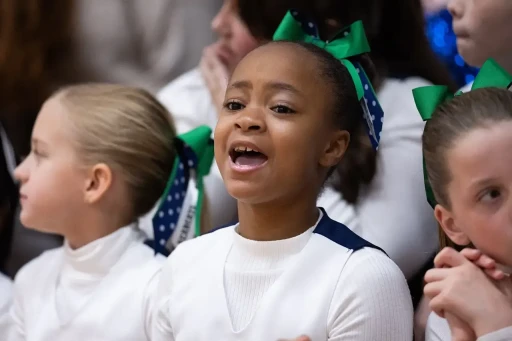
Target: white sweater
x,y
393,213
5,294
102,291
325,283
439,330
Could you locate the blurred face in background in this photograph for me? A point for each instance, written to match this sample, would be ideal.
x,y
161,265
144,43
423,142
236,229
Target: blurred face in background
x,y
483,30
235,39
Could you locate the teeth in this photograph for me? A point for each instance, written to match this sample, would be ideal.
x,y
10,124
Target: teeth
x,y
241,149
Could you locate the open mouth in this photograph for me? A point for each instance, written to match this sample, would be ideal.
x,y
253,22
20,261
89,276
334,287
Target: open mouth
x,y
247,157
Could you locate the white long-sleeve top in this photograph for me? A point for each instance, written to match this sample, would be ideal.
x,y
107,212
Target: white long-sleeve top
x,y
101,291
325,283
5,294
392,213
439,330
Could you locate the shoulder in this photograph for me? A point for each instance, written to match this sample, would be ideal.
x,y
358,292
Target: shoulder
x,y
41,264
192,253
336,233
371,299
189,84
5,293
140,261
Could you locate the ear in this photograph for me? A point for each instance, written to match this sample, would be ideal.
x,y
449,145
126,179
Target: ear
x,y
335,149
449,226
97,183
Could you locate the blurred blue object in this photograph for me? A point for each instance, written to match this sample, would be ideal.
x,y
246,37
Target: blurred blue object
x,y
443,42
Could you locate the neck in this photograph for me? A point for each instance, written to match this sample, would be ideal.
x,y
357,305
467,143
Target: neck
x,y
276,221
91,227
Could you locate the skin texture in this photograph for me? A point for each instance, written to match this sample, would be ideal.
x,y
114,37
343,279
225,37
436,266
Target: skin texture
x,y
220,58
282,110
58,193
480,212
483,30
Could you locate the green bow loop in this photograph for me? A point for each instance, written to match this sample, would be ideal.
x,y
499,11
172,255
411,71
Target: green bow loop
x,y
428,98
492,75
199,140
351,43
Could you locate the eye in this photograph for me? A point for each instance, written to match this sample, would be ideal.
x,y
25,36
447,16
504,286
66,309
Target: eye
x,y
233,106
282,109
490,195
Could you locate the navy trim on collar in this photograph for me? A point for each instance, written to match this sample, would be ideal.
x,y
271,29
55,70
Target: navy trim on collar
x,y
334,231
341,235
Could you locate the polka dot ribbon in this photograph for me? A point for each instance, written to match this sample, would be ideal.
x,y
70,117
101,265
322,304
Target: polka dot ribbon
x,y
428,98
178,216
349,42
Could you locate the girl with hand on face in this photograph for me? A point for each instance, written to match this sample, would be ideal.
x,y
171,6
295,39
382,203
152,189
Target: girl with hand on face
x,y
466,146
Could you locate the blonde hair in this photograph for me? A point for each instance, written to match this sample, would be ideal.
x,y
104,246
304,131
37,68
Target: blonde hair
x,y
127,129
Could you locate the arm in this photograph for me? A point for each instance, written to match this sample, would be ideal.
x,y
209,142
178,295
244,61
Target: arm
x,y
372,301
394,213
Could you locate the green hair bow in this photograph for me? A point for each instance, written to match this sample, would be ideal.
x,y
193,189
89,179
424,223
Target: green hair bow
x,y
178,216
349,42
428,98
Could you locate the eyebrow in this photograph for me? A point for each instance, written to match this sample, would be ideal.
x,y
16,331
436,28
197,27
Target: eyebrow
x,y
37,142
284,86
241,85
270,85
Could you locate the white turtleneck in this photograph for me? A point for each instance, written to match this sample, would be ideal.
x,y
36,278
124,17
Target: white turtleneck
x,y
5,293
313,284
251,269
101,291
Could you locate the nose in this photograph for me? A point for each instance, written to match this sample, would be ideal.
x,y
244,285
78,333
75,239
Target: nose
x,y
21,172
251,120
455,7
220,21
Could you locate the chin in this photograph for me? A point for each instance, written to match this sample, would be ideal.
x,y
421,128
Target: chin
x,y
469,54
247,193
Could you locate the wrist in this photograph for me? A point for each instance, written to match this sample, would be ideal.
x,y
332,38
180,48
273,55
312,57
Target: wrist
x,y
499,319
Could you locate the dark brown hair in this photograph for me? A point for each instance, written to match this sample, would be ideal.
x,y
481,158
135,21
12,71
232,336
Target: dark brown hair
x,y
400,48
33,34
453,119
344,105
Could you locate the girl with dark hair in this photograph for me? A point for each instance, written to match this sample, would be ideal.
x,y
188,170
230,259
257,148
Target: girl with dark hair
x,y
378,197
286,269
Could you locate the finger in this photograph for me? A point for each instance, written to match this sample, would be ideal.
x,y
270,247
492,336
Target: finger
x,y
433,289
486,262
471,254
435,275
495,274
448,257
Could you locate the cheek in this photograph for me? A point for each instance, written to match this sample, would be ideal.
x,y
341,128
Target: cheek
x,y
243,41
490,233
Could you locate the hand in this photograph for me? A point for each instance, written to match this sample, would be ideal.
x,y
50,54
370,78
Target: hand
x,y
214,69
459,287
484,262
460,330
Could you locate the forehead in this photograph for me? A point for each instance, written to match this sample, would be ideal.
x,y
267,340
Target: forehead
x,y
52,124
283,62
481,153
